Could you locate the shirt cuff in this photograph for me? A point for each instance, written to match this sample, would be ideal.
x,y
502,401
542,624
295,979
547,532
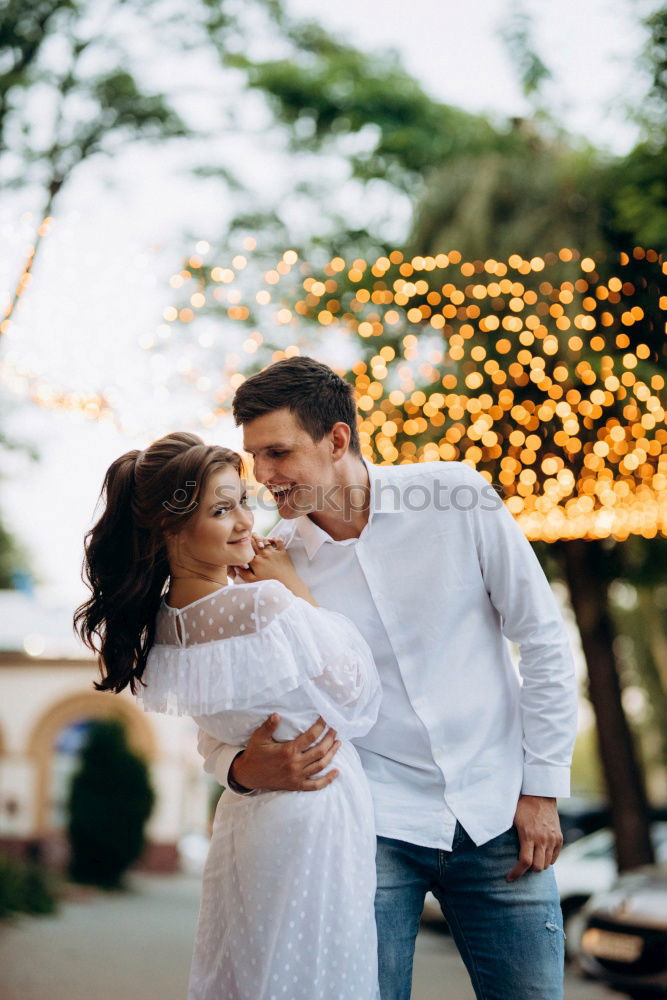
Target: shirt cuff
x,y
548,780
224,763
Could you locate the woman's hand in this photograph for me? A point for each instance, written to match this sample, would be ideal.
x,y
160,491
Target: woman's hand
x,y
272,561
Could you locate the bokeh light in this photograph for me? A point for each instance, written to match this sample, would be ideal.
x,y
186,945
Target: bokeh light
x,y
547,375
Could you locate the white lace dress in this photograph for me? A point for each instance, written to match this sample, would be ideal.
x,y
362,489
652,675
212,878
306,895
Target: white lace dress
x,y
287,905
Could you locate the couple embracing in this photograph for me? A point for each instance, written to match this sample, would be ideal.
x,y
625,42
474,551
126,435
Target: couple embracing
x,y
354,692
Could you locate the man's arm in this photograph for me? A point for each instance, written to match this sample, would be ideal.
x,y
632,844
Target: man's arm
x,y
268,765
530,616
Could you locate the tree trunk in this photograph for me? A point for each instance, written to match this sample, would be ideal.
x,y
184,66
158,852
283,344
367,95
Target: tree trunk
x,y
651,659
582,561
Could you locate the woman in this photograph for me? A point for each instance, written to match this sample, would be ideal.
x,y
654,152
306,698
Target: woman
x,y
288,887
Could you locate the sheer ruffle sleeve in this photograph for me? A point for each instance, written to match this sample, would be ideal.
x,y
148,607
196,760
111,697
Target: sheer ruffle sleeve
x,y
272,642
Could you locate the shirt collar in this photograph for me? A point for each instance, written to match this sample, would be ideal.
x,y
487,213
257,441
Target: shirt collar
x,y
381,502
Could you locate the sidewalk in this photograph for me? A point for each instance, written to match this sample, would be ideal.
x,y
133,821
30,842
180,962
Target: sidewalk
x,y
130,946
138,946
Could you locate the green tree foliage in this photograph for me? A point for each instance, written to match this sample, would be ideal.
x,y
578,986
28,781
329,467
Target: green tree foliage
x,y
14,556
532,70
540,197
23,30
528,178
655,60
330,97
110,800
90,103
638,197
26,887
552,190
11,886
325,88
637,184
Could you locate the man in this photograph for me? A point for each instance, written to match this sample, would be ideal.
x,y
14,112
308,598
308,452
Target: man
x,y
465,761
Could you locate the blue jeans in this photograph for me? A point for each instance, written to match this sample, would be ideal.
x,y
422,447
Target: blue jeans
x,y
509,934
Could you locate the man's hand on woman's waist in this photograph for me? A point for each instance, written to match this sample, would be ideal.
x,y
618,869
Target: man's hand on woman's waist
x,y
290,766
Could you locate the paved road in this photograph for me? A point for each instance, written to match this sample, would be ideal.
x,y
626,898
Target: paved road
x,y
138,945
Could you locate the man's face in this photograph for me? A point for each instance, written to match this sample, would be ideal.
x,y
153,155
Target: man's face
x,y
288,462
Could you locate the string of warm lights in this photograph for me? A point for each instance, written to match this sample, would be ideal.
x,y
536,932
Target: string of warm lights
x,y
18,378
22,382
545,374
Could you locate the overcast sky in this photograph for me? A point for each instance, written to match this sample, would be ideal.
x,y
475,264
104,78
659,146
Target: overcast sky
x,y
102,278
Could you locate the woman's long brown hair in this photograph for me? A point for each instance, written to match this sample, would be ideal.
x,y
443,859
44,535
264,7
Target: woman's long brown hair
x,y
125,564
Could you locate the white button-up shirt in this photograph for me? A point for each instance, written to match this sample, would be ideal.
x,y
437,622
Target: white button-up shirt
x,y
439,580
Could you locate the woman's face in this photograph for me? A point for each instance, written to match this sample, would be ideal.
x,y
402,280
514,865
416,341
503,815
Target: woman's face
x,y
219,534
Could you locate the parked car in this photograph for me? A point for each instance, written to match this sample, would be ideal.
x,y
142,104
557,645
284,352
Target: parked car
x,y
580,816
624,940
588,866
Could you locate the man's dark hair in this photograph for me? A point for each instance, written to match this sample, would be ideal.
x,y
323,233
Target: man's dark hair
x,y
311,390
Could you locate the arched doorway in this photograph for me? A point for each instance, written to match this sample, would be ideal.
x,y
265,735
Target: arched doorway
x,y
57,737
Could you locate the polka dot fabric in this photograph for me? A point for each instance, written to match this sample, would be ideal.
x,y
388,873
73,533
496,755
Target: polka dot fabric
x,y
230,611
276,643
287,903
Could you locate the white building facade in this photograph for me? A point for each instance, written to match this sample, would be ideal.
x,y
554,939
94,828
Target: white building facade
x,y
47,700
